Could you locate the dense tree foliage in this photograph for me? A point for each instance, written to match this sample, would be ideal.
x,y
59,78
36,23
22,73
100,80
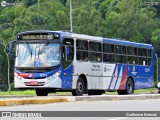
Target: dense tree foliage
x,y
132,20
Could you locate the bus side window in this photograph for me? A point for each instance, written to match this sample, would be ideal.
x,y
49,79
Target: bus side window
x,y
142,58
132,55
95,49
82,50
120,54
68,51
108,53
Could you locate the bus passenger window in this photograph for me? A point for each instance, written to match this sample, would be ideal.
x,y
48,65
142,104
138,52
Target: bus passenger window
x,y
108,48
149,61
142,59
82,50
120,59
120,49
132,60
96,57
109,58
95,51
82,55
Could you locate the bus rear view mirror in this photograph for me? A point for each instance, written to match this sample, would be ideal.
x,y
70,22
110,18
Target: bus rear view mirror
x,y
11,48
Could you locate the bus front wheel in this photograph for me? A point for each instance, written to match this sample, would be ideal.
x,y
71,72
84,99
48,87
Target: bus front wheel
x,y
41,92
79,91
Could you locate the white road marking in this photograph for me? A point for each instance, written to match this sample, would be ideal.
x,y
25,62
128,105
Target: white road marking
x,y
121,118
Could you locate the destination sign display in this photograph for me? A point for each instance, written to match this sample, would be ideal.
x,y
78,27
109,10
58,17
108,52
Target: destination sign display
x,y
38,36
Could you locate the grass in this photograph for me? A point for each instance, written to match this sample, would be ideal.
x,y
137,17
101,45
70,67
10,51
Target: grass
x,y
22,92
32,92
149,90
140,91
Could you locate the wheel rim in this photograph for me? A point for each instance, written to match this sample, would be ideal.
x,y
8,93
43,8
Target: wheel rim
x,y
80,87
129,87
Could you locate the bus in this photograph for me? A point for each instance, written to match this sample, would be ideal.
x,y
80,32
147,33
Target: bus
x,y
51,61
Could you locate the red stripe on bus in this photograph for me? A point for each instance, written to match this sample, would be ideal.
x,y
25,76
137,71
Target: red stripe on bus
x,y
124,79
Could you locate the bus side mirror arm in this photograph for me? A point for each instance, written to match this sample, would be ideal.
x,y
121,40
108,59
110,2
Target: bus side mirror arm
x,y
11,48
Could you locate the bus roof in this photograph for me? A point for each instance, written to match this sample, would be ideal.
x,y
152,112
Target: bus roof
x,y
126,43
94,38
108,40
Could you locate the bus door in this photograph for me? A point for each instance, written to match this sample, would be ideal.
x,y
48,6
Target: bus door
x,y
67,62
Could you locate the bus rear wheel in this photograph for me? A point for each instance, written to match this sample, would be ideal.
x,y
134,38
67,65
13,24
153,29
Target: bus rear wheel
x,y
79,91
129,88
41,92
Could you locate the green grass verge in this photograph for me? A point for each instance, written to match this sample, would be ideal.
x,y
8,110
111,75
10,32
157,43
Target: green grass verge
x,y
140,91
22,92
32,92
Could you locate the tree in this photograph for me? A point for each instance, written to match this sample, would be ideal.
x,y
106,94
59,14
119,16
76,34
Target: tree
x,y
8,62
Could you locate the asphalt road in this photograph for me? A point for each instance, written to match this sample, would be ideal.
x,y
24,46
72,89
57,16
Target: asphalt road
x,y
120,105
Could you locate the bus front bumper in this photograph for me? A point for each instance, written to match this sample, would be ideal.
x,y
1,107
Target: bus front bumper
x,y
37,83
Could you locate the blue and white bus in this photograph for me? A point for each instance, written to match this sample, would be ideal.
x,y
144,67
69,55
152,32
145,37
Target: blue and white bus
x,y
50,61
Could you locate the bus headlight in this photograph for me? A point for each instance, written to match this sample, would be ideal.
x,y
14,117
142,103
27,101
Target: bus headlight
x,y
54,76
17,76
57,74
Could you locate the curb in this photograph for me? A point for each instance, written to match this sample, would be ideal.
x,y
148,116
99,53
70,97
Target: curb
x,y
15,96
117,97
24,101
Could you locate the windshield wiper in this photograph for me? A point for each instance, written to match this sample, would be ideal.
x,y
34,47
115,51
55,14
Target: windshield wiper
x,y
29,48
43,47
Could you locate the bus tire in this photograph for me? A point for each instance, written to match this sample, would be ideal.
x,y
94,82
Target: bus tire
x,y
41,92
129,88
79,91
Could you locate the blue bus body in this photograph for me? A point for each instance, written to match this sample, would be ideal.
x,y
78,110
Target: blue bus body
x,y
93,75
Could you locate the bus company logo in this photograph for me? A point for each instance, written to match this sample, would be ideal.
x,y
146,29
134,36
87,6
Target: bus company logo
x,y
134,73
4,4
147,70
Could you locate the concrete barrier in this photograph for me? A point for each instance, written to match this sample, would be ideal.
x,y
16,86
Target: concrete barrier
x,y
117,97
23,101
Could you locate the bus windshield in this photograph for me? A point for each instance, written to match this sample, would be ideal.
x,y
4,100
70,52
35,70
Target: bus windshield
x,y
37,54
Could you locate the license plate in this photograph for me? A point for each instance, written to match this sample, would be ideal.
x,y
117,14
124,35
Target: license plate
x,y
33,82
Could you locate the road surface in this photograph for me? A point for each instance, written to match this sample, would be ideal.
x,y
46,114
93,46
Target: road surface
x,y
124,105
121,105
